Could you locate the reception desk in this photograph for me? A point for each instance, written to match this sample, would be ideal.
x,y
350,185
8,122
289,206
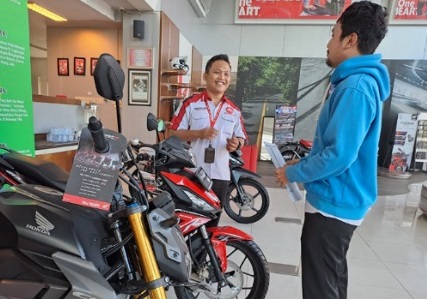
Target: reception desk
x,y
61,154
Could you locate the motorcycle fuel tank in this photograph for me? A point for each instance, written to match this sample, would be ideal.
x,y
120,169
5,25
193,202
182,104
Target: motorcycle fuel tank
x,y
34,220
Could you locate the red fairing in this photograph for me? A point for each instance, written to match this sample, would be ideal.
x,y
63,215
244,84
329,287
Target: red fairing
x,y
189,222
306,143
209,196
221,236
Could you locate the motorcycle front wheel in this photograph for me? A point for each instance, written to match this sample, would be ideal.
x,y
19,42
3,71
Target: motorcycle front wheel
x,y
247,275
250,206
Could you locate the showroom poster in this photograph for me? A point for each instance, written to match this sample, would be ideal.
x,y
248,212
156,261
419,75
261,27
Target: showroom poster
x,y
284,123
16,105
288,11
404,141
94,175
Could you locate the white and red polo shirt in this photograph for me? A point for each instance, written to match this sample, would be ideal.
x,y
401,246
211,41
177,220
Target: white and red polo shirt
x,y
193,114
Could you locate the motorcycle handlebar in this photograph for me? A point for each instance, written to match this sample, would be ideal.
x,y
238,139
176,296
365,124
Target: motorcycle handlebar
x,y
98,136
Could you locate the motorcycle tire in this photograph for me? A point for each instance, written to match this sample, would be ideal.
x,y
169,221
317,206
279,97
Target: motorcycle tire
x,y
255,204
244,258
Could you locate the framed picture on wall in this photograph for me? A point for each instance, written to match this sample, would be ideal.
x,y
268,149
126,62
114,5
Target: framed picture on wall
x,y
140,58
63,67
79,66
93,62
139,87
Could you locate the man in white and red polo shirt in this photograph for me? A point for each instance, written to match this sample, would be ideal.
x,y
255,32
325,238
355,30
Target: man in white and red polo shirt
x,y
212,123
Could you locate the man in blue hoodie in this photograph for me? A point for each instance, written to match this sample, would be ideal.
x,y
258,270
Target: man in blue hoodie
x,y
340,174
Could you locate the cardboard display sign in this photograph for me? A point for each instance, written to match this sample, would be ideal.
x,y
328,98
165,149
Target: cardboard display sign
x,y
284,123
94,175
404,141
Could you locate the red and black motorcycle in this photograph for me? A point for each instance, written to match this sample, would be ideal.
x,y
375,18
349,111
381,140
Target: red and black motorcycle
x,y
247,200
227,263
78,235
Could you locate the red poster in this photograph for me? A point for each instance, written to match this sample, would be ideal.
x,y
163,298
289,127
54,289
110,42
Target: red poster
x,y
410,10
275,11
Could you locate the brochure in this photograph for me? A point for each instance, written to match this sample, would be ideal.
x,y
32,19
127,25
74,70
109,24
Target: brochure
x,y
278,161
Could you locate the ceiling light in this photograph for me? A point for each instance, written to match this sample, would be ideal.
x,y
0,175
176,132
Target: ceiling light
x,y
45,12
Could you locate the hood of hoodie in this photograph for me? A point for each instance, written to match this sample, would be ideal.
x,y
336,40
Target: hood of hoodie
x,y
365,64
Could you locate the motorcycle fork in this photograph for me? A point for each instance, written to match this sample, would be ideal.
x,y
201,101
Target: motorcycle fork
x,y
146,255
212,256
240,192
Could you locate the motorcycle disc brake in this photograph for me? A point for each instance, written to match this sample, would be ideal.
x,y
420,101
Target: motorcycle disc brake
x,y
227,292
245,204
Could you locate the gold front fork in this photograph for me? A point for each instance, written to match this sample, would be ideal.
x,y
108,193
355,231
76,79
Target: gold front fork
x,y
148,260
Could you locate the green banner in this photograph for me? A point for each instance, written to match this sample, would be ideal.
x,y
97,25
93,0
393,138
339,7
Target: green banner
x,y
16,104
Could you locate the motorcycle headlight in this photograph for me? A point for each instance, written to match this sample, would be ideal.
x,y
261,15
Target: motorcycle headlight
x,y
198,202
192,156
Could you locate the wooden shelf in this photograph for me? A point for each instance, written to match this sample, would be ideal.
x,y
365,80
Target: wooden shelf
x,y
175,86
169,98
55,100
173,72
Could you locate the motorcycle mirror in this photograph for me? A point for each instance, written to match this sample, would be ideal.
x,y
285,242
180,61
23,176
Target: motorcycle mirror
x,y
109,81
152,123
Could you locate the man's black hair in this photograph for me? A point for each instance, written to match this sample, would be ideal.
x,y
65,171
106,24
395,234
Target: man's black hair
x,y
368,21
223,57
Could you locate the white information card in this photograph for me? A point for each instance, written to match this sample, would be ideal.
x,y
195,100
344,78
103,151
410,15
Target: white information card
x,y
278,161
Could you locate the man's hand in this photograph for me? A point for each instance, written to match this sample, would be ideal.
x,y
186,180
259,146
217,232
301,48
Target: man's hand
x,y
208,133
232,144
292,162
281,176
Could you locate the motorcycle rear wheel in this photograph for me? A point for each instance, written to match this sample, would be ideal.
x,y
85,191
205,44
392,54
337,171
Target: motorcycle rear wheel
x,y
252,207
244,258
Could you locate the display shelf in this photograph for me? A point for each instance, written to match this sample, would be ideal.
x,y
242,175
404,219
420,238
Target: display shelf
x,y
176,86
56,100
171,72
421,139
170,98
421,150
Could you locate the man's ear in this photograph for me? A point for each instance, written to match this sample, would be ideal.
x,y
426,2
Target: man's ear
x,y
352,40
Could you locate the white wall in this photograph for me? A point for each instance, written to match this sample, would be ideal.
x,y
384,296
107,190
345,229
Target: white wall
x,y
217,33
134,118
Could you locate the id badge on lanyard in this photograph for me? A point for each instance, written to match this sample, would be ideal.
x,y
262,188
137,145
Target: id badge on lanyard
x,y
210,151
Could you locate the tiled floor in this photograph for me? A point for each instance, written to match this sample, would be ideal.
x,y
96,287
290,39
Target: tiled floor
x,y
387,256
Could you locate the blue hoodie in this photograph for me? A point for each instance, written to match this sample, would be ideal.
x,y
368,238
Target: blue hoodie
x,y
340,174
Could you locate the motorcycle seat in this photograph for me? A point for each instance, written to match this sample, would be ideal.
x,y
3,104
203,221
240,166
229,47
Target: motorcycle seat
x,y
41,171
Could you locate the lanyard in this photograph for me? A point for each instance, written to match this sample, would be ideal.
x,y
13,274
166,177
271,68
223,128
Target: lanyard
x,y
218,110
